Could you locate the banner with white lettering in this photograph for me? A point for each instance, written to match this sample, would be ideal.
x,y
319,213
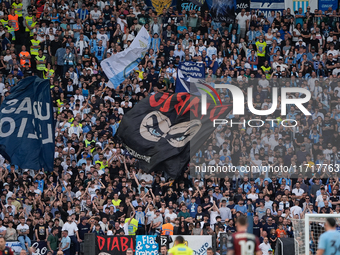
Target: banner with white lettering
x,y
146,245
40,247
189,5
26,125
242,4
187,72
199,244
266,6
325,4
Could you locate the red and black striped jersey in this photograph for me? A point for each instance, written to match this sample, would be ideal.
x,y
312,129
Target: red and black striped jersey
x,y
243,243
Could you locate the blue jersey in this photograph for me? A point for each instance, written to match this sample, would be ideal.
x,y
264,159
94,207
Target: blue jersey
x,y
330,243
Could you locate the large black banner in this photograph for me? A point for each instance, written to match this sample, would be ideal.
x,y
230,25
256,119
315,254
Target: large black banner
x,y
114,245
164,130
242,4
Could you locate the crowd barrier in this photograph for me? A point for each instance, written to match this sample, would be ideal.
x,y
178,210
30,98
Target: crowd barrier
x,y
145,244
117,245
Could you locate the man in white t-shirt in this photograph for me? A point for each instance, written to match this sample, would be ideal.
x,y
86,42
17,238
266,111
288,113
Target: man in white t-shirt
x,y
298,191
242,21
95,14
102,36
335,72
9,201
319,198
333,51
72,229
23,231
296,209
171,215
78,96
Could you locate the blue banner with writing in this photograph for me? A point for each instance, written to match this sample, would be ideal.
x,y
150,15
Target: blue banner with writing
x,y
146,245
325,4
26,125
187,70
189,5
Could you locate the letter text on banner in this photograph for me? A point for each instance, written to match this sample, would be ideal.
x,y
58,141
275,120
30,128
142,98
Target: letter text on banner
x,y
26,125
266,6
146,245
187,72
114,245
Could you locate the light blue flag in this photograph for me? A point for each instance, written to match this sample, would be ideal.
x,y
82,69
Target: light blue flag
x,y
118,67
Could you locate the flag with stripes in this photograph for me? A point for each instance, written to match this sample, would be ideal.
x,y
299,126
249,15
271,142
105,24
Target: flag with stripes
x,y
297,4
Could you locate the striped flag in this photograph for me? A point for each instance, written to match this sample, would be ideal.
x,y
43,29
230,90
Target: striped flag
x,y
300,4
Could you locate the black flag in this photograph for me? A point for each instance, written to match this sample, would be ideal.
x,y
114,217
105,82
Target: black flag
x,y
164,130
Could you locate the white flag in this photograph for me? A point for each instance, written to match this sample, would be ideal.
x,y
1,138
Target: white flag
x,y
118,67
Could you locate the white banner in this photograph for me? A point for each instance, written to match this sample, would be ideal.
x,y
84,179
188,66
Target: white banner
x,y
199,244
15,246
120,65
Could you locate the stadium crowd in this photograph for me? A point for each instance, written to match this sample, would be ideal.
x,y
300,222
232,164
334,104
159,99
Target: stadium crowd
x,y
95,185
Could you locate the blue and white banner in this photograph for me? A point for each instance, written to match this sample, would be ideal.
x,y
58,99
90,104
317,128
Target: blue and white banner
x,y
325,4
15,246
26,125
266,6
146,245
187,72
303,4
118,67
